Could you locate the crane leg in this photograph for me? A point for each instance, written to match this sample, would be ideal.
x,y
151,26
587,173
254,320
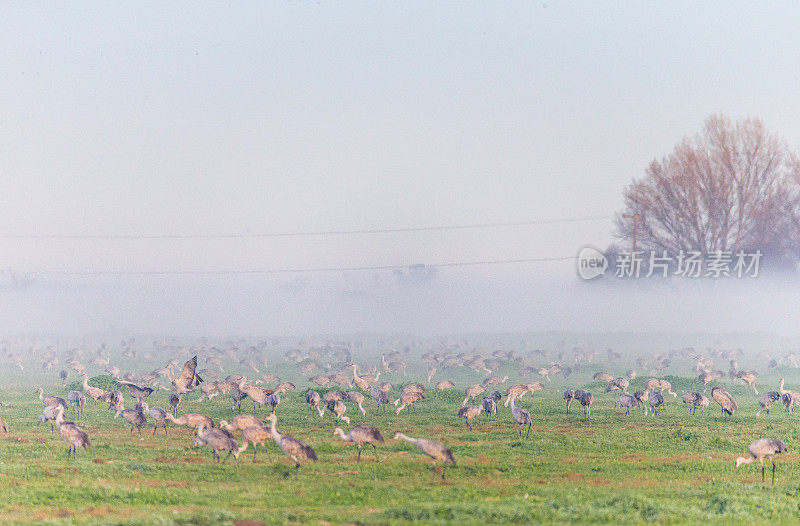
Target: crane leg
x,y
528,433
359,454
773,472
762,473
376,453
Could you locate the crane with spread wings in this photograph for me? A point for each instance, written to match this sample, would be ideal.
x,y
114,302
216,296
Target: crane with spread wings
x,y
188,380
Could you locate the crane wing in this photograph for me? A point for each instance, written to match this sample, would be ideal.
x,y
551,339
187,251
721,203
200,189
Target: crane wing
x,y
188,378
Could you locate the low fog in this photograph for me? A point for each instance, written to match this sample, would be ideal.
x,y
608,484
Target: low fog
x,y
519,298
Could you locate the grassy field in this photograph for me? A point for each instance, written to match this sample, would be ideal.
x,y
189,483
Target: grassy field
x,y
672,468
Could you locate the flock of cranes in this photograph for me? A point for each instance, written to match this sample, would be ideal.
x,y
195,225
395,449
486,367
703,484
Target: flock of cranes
x,y
349,383
221,439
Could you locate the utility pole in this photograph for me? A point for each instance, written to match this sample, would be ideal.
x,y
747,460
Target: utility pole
x,y
635,218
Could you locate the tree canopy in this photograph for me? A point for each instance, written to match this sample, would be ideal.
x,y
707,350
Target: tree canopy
x,y
733,186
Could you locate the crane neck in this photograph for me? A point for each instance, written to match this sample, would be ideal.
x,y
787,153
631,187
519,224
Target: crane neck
x,y
59,416
401,436
275,435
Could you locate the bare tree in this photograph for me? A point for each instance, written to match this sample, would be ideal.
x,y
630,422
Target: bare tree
x,y
732,187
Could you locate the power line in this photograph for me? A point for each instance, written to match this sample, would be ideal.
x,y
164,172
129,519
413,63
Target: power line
x,y
248,235
291,271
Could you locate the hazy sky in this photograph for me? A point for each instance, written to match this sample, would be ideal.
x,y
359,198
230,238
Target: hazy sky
x,y
295,116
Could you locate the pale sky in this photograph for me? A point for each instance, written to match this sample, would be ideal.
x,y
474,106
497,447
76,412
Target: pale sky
x,y
295,116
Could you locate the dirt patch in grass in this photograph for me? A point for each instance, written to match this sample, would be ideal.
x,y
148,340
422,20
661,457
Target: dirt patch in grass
x,y
99,511
682,457
633,457
640,482
599,481
152,483
571,475
49,513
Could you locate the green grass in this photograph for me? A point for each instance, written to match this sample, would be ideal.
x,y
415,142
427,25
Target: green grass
x,y
616,469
